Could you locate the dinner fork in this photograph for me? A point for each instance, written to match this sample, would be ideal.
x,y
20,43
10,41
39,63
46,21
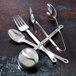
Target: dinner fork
x,y
22,26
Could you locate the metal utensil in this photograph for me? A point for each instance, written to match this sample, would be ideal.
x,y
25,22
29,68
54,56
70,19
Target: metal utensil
x,y
17,37
22,26
33,20
52,13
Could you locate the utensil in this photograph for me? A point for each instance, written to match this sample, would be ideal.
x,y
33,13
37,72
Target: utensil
x,y
17,37
22,26
32,18
52,13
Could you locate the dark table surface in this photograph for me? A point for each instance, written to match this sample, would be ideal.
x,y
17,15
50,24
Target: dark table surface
x,y
9,50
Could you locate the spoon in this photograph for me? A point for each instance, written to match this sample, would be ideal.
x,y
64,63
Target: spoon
x,y
18,37
52,13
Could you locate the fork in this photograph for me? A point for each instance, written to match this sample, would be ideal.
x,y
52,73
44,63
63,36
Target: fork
x,y
22,26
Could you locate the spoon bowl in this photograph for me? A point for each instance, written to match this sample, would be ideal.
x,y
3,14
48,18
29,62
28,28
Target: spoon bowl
x,y
16,35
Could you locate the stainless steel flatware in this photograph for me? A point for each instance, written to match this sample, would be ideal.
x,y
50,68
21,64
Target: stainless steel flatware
x,y
49,52
52,13
22,26
33,20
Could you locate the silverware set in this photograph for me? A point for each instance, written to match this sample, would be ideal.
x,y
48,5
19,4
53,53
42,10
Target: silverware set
x,y
28,57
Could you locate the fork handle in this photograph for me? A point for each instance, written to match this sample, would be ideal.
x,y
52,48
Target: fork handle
x,y
50,54
33,37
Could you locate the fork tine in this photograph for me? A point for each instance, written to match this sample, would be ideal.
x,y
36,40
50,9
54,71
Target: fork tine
x,y
14,18
22,20
19,19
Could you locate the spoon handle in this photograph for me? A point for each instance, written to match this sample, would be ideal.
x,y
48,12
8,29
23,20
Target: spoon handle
x,y
64,60
49,54
29,43
61,58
